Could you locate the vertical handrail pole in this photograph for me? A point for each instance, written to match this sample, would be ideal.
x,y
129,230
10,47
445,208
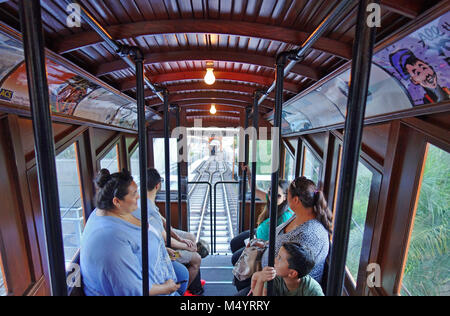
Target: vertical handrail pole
x,y
177,118
255,118
142,136
33,42
356,106
276,150
244,173
165,94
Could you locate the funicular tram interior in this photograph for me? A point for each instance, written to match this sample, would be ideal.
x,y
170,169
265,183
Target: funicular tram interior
x,y
353,95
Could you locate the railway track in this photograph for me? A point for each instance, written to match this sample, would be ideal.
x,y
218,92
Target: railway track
x,y
213,171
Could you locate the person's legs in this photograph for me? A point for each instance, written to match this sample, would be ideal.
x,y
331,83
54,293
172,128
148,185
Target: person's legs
x,y
182,275
243,292
192,261
185,235
238,241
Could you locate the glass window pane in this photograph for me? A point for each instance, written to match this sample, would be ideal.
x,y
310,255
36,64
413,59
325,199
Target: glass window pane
x,y
312,166
159,159
70,201
3,289
134,166
111,160
360,204
427,270
290,167
263,163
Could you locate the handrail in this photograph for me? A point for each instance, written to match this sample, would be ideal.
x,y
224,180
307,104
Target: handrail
x,y
117,47
300,52
227,206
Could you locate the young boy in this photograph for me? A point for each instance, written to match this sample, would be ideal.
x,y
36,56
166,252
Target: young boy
x,y
290,275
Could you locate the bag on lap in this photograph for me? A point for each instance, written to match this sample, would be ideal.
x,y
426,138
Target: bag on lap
x,y
249,262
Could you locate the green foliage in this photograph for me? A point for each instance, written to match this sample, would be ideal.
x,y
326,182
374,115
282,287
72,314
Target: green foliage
x,y
360,204
427,270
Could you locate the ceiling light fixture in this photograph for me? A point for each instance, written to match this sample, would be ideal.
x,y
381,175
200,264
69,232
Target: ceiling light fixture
x,y
209,77
213,109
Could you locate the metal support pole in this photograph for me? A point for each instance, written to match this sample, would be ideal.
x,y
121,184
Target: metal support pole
x,y
254,155
117,47
33,42
244,173
142,136
306,46
356,107
177,118
165,93
276,150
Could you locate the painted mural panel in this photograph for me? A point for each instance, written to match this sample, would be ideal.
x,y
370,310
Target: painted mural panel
x,y
69,93
12,55
327,105
413,71
421,62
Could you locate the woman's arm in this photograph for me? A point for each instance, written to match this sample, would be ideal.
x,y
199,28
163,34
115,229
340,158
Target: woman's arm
x,y
164,289
177,244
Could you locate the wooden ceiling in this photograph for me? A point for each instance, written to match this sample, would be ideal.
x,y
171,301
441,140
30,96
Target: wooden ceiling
x,y
241,37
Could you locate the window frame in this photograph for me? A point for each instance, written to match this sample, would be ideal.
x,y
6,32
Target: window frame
x,y
357,287
428,140
84,204
116,143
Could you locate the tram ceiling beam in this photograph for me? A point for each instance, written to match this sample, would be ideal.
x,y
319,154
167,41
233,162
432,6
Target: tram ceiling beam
x,y
208,95
218,103
217,86
265,81
219,107
224,27
407,8
197,55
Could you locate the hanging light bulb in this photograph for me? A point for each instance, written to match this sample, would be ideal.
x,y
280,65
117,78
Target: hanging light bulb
x,y
213,109
209,77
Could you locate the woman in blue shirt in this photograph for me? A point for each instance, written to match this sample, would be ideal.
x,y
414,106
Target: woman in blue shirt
x,y
110,257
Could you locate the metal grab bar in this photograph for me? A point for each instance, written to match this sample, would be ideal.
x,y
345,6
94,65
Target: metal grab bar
x,y
215,209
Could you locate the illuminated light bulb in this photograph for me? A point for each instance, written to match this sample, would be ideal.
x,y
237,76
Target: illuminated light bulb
x,y
209,77
213,109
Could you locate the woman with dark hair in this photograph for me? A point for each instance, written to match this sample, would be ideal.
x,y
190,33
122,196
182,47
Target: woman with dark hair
x,y
110,257
237,244
310,226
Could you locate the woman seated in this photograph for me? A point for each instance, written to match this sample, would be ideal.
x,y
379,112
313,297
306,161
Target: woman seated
x,y
111,248
237,244
310,226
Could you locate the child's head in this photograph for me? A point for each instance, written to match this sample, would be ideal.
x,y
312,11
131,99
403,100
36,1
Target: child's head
x,y
294,261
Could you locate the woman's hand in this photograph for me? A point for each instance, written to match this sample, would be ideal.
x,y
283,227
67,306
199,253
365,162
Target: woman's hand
x,y
172,253
171,286
258,244
244,167
191,246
